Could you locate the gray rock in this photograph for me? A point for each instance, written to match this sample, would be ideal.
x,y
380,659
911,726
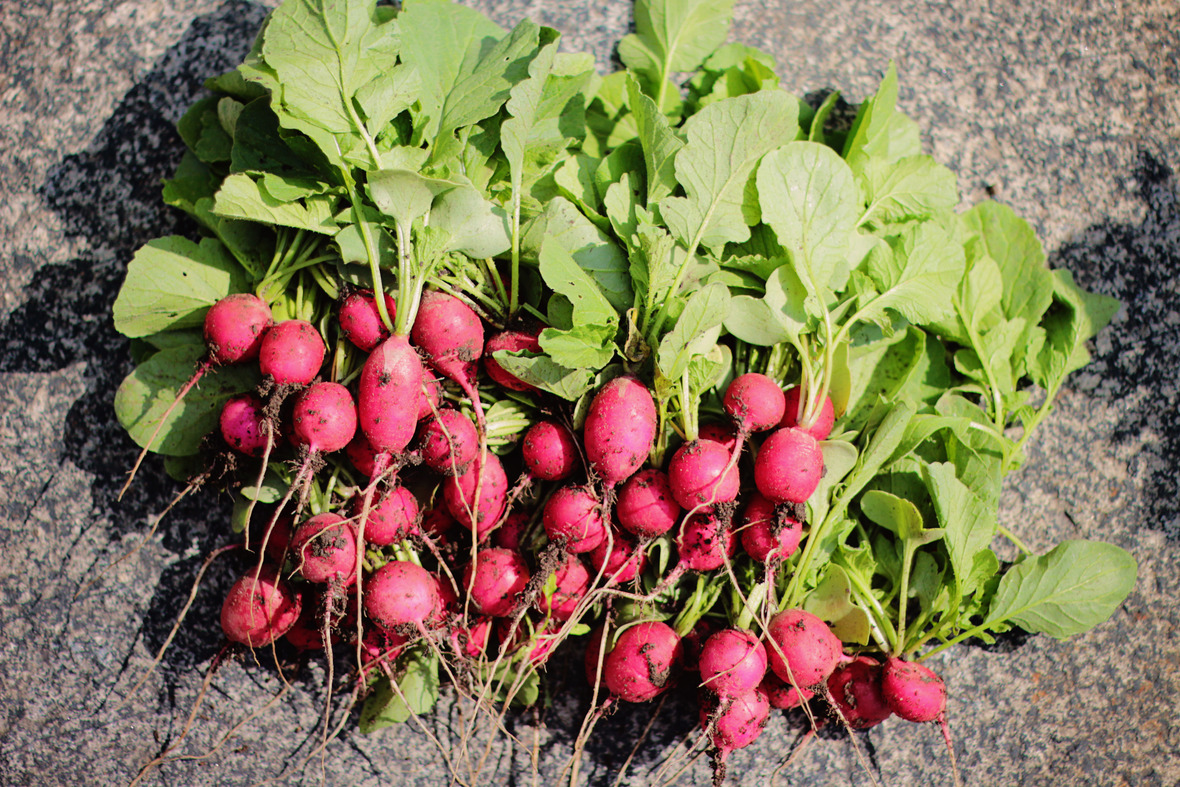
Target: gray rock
x,y
1068,112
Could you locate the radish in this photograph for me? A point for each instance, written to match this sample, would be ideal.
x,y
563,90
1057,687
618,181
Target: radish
x,y
572,582
549,451
259,608
694,641
234,330
856,692
646,506
432,393
624,562
360,321
789,466
736,722
913,691
325,549
804,651
701,474
324,418
362,454
643,662
449,442
820,428
292,353
719,433
783,695
401,594
705,542
381,648
476,497
511,341
508,535
472,641
769,535
451,335
307,633
573,516
497,580
393,517
732,663
242,424
541,639
754,402
619,430
389,393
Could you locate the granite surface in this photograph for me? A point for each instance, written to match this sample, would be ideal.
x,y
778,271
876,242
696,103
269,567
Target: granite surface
x,y
1068,111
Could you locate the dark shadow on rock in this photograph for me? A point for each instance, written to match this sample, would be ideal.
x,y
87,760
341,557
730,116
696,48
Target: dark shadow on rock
x,y
1137,357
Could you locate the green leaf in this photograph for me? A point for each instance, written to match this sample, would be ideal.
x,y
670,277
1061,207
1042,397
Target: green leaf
x,y
240,197
419,685
839,459
674,35
404,195
660,144
910,188
171,282
883,368
477,226
918,279
809,199
696,331
880,131
147,393
968,521
893,513
786,298
1075,317
594,251
387,96
541,372
1072,588
752,321
522,106
725,142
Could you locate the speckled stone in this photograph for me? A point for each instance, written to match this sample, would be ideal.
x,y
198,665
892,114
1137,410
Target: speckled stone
x,y
1069,111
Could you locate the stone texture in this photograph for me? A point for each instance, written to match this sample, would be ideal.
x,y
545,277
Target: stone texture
x,y
1070,112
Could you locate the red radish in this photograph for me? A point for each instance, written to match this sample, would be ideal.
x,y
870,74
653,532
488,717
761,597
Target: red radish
x,y
360,320
541,639
324,418
625,561
448,599
754,402
393,517
451,335
381,647
769,535
913,691
821,428
472,641
279,541
855,690
362,454
719,433
437,521
292,352
549,451
574,515
234,329
645,505
804,650
705,542
737,722
783,695
643,662
700,474
488,479
259,608
619,429
694,641
389,393
732,663
401,594
307,633
325,549
432,393
789,466
242,425
498,578
509,534
449,442
512,341
572,581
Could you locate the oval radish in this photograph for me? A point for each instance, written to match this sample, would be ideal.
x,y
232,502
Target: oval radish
x,y
646,506
619,429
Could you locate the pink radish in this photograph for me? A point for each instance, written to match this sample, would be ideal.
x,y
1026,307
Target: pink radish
x,y
259,608
472,641
477,497
789,466
646,506
804,650
496,581
855,689
549,451
389,393
360,320
324,418
450,334
768,534
719,433
511,341
242,425
509,534
701,474
624,562
913,691
783,695
736,723
755,402
619,429
292,353
432,393
825,419
449,442
643,662
401,594
325,549
572,581
573,515
362,454
393,517
732,663
705,542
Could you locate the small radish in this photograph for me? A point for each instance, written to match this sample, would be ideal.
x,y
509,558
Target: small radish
x,y
308,634
449,442
820,428
472,641
324,418
573,515
292,353
619,429
705,542
360,320
480,511
362,454
855,689
736,723
432,393
701,474
644,661
769,535
259,608
381,648
509,534
646,506
732,663
719,433
450,334
549,451
593,655
242,424
401,594
511,341
389,394
571,583
694,641
783,695
913,691
804,650
755,402
325,549
393,517
496,581
789,466
539,638
624,562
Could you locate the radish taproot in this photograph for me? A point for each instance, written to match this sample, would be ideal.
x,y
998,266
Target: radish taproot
x,y
820,427
701,474
913,691
243,424
509,341
477,497
495,580
549,451
573,516
855,689
732,662
769,534
401,594
325,549
360,320
449,442
645,505
789,466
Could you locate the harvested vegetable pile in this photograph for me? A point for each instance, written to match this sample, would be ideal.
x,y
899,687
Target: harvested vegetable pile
x,y
505,360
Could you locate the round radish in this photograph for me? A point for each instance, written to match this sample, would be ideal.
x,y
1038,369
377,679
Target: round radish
x,y
549,451
449,442
719,433
360,321
574,515
698,475
571,582
324,418
400,594
325,549
292,352
855,689
783,695
619,429
509,533
805,651
499,577
362,454
540,642
646,506
789,466
241,425
393,517
769,535
705,542
450,334
459,491
821,428
737,722
512,341
259,608
754,402
472,641
432,392
235,327
625,561
732,663
643,662
913,691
